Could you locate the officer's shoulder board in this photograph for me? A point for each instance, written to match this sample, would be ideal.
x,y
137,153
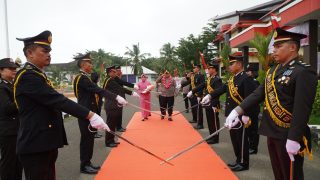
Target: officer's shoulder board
x,y
303,64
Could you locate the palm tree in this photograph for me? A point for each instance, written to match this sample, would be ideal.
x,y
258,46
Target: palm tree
x,y
136,57
167,54
261,43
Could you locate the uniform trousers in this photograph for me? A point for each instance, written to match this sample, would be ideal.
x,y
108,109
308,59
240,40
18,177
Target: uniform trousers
x,y
213,122
280,160
241,150
39,166
166,102
119,122
10,166
113,117
86,142
197,113
253,132
186,103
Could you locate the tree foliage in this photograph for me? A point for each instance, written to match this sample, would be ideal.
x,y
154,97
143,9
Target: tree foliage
x,y
136,57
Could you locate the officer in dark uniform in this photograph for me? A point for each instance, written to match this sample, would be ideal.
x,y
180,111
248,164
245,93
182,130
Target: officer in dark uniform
x,y
195,80
10,166
41,130
212,109
122,83
289,91
238,87
113,110
254,116
85,91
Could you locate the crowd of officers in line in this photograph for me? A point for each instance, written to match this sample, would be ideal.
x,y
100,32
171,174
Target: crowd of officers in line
x,y
30,109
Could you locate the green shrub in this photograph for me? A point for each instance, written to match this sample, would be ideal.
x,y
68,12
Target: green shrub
x,y
316,104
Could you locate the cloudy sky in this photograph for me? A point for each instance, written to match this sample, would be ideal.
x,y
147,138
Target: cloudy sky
x,y
113,25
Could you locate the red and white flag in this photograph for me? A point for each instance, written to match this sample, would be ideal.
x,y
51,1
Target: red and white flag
x,y
275,25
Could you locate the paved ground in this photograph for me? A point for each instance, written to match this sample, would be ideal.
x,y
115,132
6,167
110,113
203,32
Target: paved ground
x,y
260,168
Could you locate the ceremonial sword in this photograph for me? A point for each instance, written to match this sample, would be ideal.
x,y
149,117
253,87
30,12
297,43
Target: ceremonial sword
x,y
134,145
192,146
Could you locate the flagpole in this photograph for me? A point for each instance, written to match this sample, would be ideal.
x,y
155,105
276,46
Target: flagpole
x,y
6,27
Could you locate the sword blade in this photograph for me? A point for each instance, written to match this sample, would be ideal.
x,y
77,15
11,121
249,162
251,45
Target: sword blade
x,y
141,148
191,147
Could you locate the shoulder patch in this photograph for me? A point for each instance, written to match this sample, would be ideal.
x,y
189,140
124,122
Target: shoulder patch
x,y
303,64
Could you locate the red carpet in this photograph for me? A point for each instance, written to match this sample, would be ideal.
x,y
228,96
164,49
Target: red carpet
x,y
163,138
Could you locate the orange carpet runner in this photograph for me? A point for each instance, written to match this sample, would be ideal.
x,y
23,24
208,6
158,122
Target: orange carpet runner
x,y
163,138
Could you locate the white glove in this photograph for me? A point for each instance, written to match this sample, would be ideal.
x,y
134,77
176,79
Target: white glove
x,y
199,99
245,119
121,100
136,87
206,99
97,122
230,124
232,116
134,94
292,148
189,95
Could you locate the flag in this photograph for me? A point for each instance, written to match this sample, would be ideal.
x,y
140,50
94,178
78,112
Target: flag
x,y
275,25
204,63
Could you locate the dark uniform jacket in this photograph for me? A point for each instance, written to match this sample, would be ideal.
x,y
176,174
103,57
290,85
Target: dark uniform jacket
x,y
296,86
41,123
85,90
111,85
245,86
215,83
9,122
195,81
123,83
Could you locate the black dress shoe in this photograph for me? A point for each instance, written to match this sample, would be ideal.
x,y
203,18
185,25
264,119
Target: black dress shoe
x,y
112,145
88,170
253,151
116,142
97,135
162,117
95,167
192,121
239,167
187,111
169,119
232,165
121,129
198,127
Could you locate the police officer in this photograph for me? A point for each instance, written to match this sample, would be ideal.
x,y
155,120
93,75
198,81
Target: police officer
x,y
113,110
10,166
289,91
212,109
254,116
238,87
122,83
85,91
41,130
195,80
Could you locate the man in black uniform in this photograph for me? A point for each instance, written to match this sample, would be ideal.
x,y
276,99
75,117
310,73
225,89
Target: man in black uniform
x,y
195,80
10,166
239,86
289,91
41,130
113,110
212,108
85,91
122,83
254,116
